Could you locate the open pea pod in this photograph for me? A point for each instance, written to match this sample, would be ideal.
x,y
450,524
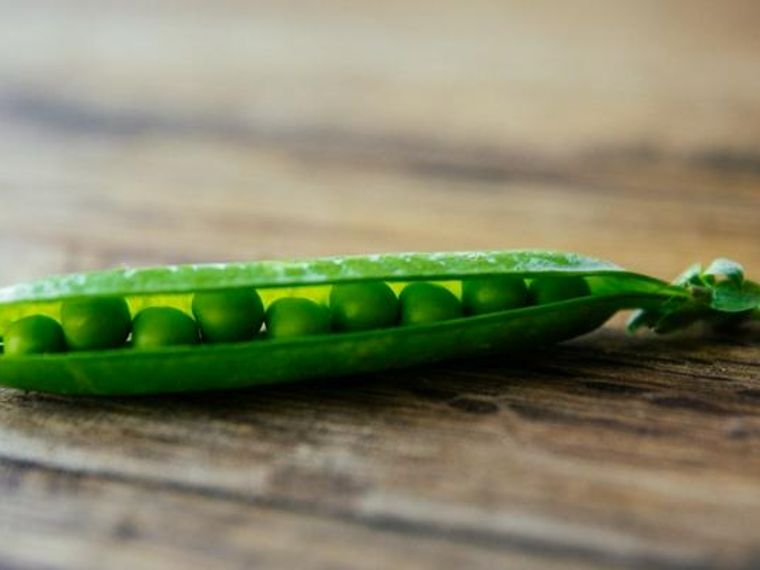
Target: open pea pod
x,y
718,292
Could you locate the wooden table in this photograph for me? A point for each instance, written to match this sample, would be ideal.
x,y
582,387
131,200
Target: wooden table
x,y
154,132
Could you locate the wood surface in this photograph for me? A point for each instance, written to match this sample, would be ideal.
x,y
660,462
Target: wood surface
x,y
137,133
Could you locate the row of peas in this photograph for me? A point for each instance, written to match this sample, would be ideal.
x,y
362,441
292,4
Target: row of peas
x,y
236,315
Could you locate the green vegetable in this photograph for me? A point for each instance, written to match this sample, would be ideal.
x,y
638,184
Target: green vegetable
x,y
296,317
156,327
718,294
493,294
363,306
555,289
34,335
99,322
423,303
228,316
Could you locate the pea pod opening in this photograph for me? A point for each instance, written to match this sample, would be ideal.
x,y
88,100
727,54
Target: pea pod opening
x,y
705,294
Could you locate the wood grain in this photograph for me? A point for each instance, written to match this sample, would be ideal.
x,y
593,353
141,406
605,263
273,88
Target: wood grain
x,y
154,132
607,452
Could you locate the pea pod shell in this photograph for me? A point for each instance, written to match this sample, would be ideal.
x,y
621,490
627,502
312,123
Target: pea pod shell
x,y
237,365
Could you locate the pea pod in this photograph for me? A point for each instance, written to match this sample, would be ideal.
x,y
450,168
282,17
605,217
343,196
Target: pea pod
x,y
267,360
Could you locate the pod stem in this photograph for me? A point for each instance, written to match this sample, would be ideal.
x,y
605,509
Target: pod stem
x,y
719,295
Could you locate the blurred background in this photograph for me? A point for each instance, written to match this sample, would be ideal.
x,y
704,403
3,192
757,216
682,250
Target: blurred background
x,y
143,132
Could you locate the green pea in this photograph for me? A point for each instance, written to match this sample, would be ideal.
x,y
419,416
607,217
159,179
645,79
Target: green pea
x,y
228,316
163,326
34,335
556,288
99,322
295,316
363,306
493,294
427,303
